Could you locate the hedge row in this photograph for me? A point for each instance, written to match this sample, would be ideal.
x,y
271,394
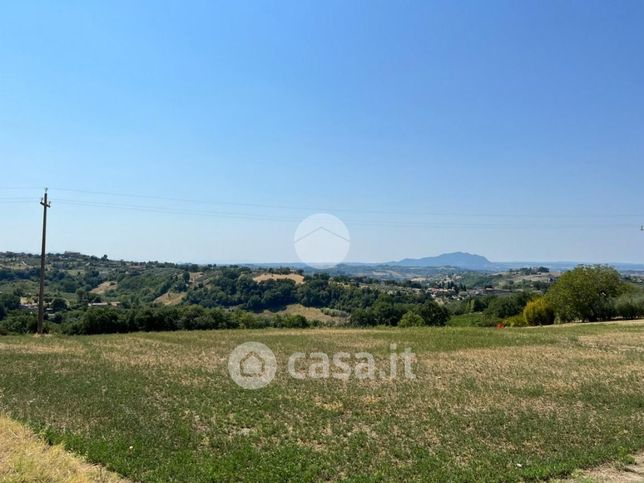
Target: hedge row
x,y
110,320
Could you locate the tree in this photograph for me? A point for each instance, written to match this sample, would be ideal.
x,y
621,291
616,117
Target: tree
x,y
386,312
10,301
432,313
58,305
586,293
508,306
539,312
411,319
361,318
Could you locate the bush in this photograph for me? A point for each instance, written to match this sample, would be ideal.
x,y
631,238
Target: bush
x,y
539,312
103,321
515,321
629,307
290,321
411,319
20,323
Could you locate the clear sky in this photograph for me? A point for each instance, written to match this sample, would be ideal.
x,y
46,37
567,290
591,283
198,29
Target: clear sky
x,y
510,129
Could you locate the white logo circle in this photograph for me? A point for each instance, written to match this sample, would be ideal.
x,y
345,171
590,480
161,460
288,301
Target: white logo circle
x,y
252,365
322,240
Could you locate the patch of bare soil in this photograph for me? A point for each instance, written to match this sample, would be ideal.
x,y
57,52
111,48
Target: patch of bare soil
x,y
611,473
104,287
170,298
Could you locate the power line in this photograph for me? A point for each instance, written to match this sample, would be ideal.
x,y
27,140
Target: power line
x,y
382,223
342,210
273,217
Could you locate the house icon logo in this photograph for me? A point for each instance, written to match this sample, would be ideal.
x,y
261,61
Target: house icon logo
x,y
322,240
252,365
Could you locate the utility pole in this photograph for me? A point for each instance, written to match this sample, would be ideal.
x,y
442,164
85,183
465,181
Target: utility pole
x,y
41,296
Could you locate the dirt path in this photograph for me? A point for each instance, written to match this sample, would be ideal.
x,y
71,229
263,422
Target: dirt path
x,y
611,473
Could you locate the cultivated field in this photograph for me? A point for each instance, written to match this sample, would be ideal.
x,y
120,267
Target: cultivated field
x,y
486,404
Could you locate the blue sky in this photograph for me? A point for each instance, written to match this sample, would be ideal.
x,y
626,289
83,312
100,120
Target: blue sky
x,y
510,129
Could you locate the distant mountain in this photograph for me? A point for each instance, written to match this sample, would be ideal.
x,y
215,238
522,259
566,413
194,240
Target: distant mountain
x,y
463,260
468,261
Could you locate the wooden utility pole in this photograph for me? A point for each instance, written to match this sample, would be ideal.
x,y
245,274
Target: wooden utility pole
x,y
41,295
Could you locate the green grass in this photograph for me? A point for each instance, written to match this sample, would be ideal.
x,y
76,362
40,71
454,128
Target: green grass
x,y
475,319
484,402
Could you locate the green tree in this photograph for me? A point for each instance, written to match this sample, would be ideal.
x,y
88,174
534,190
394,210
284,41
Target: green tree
x,y
433,313
507,306
58,305
411,319
586,293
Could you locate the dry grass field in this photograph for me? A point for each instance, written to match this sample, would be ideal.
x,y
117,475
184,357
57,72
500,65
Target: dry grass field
x,y
486,404
105,287
296,277
310,313
170,298
26,458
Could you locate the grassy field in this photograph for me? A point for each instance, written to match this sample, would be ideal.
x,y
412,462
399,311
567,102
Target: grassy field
x,y
311,313
486,404
26,458
476,319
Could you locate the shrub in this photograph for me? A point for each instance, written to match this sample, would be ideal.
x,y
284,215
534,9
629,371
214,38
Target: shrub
x,y
291,321
102,321
411,319
20,322
515,321
629,307
539,312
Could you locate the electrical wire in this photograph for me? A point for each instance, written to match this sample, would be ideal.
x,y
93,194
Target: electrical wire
x,y
349,210
275,218
381,223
